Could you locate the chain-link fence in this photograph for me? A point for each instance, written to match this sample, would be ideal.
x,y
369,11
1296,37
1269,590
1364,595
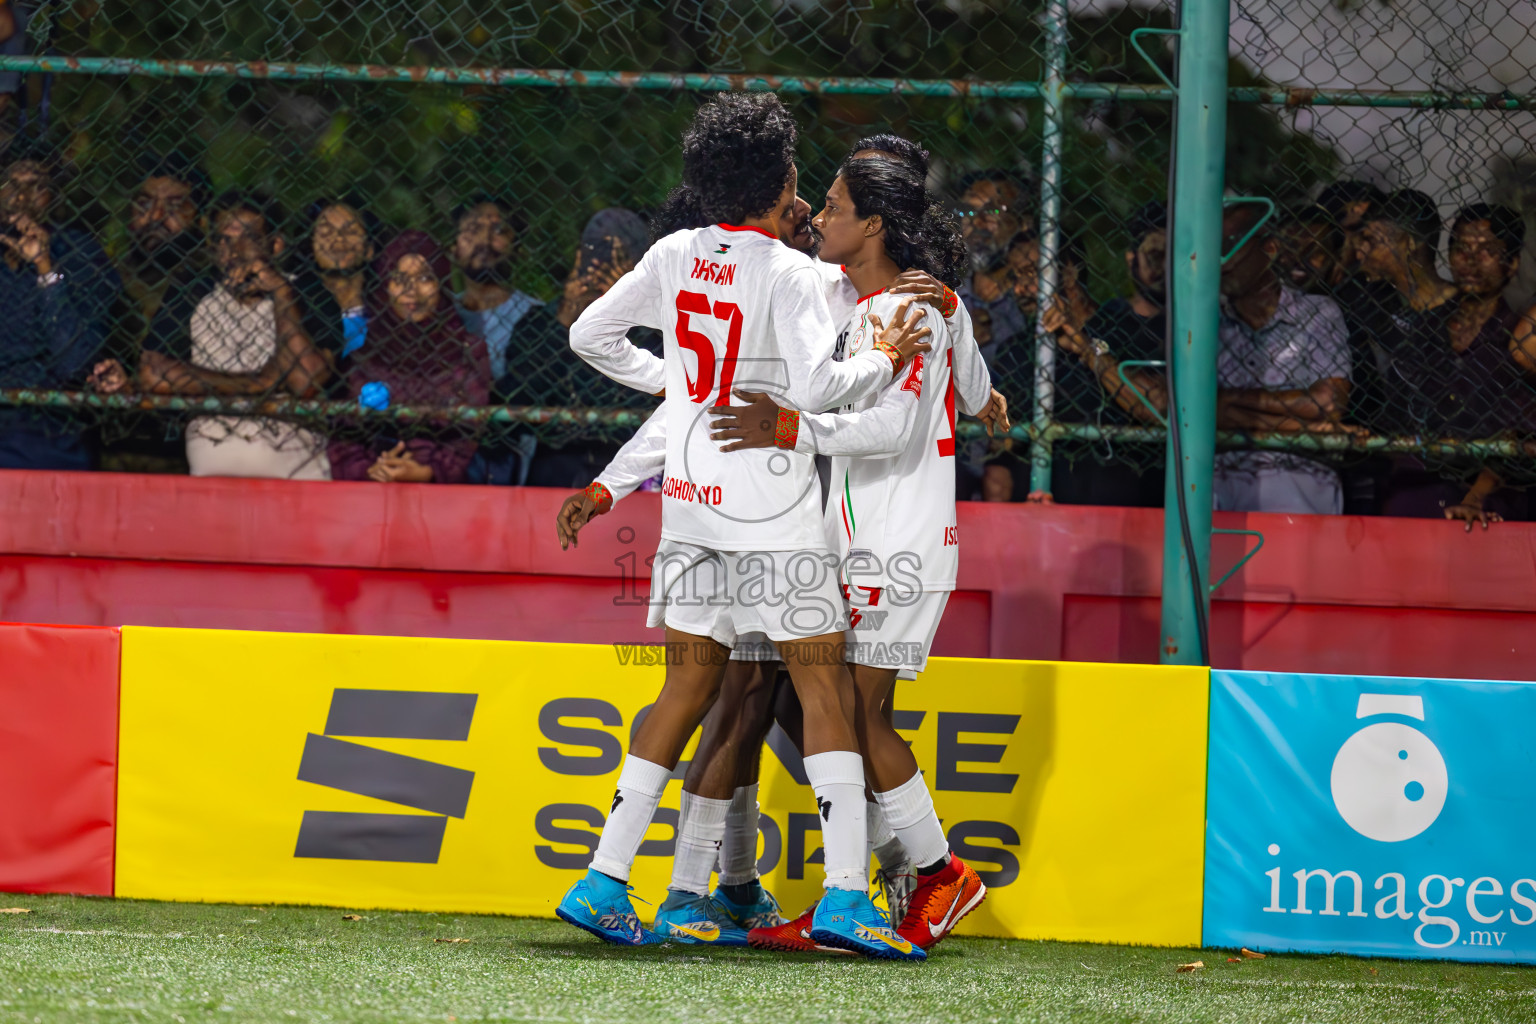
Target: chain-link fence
x,y
500,165
1376,344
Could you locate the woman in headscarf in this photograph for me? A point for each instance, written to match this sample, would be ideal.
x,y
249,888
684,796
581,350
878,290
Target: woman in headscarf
x,y
417,353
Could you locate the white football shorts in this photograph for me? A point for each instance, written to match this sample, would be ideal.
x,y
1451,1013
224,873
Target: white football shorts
x,y
888,629
883,634
784,595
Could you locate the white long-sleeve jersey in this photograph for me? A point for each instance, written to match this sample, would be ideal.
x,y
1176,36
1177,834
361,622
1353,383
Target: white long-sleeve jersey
x,y
973,381
640,459
644,454
891,510
737,309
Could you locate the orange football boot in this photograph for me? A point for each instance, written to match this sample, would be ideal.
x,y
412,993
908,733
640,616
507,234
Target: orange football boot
x,y
940,901
791,937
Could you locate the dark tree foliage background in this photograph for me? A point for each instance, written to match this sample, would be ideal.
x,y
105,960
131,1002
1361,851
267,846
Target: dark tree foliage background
x,y
413,151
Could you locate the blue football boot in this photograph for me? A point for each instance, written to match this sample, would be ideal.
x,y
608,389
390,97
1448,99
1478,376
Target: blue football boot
x,y
600,905
762,912
697,921
846,919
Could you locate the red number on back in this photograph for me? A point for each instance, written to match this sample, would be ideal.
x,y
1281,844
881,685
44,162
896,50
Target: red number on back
x,y
702,348
731,312
703,384
947,444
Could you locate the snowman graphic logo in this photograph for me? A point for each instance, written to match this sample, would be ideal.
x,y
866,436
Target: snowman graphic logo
x,y
1389,781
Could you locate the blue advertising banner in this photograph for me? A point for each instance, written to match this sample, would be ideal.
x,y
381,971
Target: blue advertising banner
x,y
1372,815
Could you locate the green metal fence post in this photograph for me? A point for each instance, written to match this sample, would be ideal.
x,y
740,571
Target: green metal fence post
x,y
1050,239
1194,255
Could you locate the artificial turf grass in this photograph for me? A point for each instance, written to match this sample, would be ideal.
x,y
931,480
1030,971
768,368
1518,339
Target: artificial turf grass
x,y
86,960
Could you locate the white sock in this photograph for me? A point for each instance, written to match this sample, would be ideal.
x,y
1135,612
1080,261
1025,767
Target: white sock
x,y
738,850
700,828
837,776
882,841
634,805
909,811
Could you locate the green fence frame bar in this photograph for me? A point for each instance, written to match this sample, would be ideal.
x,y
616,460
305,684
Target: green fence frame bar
x,y
1194,259
536,415
306,408
1052,139
1477,449
665,81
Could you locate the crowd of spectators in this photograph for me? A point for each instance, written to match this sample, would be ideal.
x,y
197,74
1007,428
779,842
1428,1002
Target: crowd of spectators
x,y
216,296
1336,321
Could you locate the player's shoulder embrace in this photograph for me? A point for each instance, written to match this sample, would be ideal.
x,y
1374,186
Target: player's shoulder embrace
x,y
887,304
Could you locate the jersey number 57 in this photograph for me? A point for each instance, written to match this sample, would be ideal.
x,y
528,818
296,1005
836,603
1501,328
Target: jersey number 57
x,y
702,383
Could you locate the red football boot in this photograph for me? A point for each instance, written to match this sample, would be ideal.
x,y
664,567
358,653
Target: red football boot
x,y
791,937
940,901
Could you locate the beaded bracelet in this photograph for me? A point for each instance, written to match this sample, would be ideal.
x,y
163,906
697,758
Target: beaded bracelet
x,y
950,304
787,431
890,352
601,496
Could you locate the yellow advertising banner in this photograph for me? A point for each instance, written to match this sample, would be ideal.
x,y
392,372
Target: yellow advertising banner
x,y
474,776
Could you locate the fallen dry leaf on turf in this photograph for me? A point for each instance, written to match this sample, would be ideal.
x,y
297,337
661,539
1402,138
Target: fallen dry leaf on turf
x,y
450,940
1373,970
351,917
16,910
1186,968
1233,960
1249,954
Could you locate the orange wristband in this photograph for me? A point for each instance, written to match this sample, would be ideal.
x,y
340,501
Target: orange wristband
x,y
951,303
787,431
891,354
600,495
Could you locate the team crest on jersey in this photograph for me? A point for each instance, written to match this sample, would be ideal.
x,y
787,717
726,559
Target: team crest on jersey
x,y
856,343
914,381
724,247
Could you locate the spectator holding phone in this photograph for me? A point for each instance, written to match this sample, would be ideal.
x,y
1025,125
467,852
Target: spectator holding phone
x,y
1132,327
612,242
246,336
419,353
56,287
1282,366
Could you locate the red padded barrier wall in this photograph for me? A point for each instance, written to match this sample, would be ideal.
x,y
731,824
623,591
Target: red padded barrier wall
x,y
1327,594
376,602
58,758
